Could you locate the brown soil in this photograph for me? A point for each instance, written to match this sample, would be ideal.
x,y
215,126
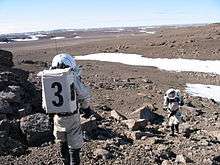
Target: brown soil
x,y
105,78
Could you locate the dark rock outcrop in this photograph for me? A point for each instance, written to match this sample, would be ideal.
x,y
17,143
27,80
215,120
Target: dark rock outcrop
x,y
10,138
6,59
37,129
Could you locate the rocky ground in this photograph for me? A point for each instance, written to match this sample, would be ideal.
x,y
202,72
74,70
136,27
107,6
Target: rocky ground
x,y
128,98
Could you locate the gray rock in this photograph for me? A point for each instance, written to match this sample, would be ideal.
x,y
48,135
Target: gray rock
x,y
203,142
36,128
134,125
215,134
167,162
144,112
180,160
102,154
116,115
207,161
137,135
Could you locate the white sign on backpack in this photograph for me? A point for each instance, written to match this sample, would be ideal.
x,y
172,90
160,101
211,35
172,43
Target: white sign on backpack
x,y
58,92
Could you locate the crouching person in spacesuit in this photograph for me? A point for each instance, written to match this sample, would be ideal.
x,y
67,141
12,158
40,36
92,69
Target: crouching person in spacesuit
x,y
67,128
172,103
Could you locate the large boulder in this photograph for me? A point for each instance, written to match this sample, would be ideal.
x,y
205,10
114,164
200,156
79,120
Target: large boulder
x,y
37,129
147,112
6,59
143,113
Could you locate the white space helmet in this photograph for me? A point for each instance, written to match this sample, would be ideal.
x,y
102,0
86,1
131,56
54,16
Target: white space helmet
x,y
171,93
65,59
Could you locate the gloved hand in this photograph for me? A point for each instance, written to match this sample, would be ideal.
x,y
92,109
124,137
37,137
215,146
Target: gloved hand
x,y
87,112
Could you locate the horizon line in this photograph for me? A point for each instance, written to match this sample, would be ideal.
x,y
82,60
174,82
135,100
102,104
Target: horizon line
x,y
107,27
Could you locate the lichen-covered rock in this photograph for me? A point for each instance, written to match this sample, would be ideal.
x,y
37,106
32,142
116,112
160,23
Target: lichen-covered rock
x,y
37,129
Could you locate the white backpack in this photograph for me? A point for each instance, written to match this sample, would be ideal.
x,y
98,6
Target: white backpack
x,y
58,91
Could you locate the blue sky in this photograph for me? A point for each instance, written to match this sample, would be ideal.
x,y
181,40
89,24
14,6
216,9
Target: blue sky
x,y
33,15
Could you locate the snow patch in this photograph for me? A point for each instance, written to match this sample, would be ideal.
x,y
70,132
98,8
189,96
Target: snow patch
x,y
77,37
40,35
71,30
114,31
4,43
30,38
205,91
148,32
178,65
57,38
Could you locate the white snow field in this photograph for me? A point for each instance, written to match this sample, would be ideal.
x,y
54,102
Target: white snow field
x,y
201,90
178,65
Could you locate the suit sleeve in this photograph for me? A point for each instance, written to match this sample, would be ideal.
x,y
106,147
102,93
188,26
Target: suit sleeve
x,y
82,91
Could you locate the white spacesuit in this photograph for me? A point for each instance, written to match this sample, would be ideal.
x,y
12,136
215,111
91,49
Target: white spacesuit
x,y
172,102
67,128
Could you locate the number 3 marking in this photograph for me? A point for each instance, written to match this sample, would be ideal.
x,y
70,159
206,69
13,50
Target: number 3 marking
x,y
57,94
72,92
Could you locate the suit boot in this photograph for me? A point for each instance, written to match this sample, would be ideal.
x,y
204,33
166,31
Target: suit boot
x,y
65,153
177,128
172,129
74,156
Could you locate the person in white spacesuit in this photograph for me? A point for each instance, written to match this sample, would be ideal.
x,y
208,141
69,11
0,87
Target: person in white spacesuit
x,y
67,129
172,102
